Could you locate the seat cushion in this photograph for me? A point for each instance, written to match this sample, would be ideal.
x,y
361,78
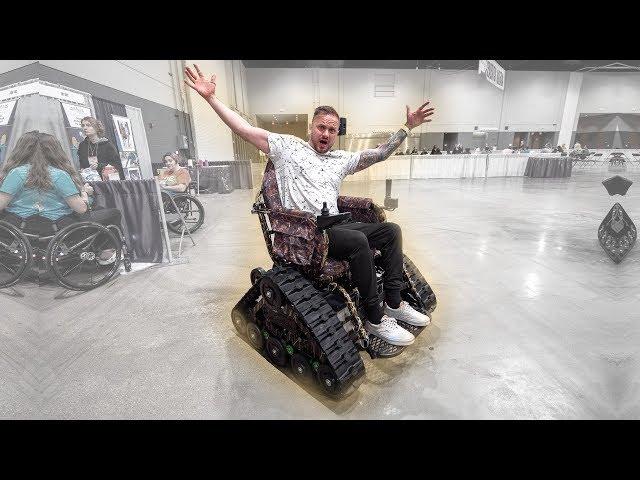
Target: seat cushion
x,y
335,268
338,268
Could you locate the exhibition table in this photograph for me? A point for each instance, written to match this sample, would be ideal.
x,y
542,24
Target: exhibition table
x,y
444,166
548,167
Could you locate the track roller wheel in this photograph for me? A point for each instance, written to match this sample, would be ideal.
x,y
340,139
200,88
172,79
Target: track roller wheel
x,y
276,352
239,322
301,367
255,336
327,379
271,292
256,274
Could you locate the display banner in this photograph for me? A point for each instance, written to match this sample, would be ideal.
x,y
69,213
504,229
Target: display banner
x,y
75,113
493,72
19,90
6,109
61,94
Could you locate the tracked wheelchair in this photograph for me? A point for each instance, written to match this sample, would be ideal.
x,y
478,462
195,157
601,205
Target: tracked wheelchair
x,y
305,312
70,253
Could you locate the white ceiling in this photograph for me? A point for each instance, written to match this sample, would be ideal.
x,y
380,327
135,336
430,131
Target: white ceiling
x,y
536,65
282,118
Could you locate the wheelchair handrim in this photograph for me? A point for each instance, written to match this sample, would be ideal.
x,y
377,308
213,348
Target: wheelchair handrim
x,y
70,257
15,255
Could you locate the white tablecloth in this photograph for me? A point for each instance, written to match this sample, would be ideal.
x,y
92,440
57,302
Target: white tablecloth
x,y
444,166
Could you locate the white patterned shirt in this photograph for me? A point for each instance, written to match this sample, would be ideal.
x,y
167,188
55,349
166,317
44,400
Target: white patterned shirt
x,y
307,178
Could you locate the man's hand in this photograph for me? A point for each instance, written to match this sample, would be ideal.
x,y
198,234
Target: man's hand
x,y
206,88
420,116
383,151
88,188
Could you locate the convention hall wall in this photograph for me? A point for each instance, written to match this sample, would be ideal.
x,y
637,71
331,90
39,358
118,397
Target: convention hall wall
x,y
164,124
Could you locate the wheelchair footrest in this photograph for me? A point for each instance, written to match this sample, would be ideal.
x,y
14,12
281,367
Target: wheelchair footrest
x,y
411,328
378,348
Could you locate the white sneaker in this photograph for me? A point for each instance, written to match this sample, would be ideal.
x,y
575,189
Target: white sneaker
x,y
106,261
389,331
406,314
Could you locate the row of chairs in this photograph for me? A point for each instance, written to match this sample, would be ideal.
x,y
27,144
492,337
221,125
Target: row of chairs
x,y
593,159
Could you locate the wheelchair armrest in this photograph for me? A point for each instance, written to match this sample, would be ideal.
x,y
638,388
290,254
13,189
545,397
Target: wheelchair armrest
x,y
362,209
296,223
347,203
328,221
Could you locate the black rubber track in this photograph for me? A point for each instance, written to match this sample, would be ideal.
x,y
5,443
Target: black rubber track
x,y
338,350
423,292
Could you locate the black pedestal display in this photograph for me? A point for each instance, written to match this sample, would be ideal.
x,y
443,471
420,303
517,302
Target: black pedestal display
x,y
617,233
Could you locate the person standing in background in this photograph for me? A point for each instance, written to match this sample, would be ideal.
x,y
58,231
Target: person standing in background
x,y
96,151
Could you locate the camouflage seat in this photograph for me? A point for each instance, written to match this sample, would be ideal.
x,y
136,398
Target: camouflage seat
x,y
296,238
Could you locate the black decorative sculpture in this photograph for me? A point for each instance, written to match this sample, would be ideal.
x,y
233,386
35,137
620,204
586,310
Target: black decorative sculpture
x,y
617,185
617,233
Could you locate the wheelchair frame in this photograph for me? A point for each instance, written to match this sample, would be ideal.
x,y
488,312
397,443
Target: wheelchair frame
x,y
37,253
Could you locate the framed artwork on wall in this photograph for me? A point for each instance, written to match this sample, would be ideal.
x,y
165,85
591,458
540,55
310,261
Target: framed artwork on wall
x,y
124,133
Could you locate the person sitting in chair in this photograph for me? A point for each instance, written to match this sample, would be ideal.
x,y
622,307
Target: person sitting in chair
x,y
174,178
308,174
38,180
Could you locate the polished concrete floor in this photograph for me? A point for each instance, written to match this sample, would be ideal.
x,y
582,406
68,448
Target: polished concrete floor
x,y
533,319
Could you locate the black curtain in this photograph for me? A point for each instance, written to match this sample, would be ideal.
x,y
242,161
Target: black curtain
x,y
104,109
138,202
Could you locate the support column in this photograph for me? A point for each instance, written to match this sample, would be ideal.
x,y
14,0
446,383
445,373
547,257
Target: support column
x,y
570,108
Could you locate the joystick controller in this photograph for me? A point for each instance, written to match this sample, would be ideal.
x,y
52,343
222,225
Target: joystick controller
x,y
326,220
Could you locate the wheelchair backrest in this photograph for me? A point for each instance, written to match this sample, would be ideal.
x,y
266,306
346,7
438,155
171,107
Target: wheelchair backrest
x,y
270,191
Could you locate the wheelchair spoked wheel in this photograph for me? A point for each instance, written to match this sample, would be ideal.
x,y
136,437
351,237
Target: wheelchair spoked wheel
x,y
15,254
73,256
191,211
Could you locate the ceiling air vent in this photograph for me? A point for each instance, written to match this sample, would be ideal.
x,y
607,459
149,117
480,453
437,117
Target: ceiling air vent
x,y
384,85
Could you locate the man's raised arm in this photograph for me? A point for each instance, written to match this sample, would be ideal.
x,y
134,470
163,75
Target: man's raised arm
x,y
384,151
207,90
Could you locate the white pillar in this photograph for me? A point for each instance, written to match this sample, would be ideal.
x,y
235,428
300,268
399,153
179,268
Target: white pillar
x,y
570,108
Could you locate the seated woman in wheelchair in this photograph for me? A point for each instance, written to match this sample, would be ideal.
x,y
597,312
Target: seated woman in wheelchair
x,y
173,179
39,183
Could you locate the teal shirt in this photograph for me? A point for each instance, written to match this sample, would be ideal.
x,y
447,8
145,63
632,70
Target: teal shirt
x,y
27,201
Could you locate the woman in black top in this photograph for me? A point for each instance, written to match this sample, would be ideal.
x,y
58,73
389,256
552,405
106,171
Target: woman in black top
x,y
97,151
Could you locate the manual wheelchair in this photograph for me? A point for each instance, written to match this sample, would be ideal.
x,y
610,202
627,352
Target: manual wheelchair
x,y
305,312
185,205
70,253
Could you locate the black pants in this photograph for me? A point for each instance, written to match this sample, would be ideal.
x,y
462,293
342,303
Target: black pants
x,y
353,242
103,216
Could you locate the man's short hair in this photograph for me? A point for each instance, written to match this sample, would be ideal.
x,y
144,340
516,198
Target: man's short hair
x,y
327,110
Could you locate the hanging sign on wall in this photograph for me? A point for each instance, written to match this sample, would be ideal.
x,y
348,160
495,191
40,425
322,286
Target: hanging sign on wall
x,y
75,113
6,109
493,72
61,94
19,90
